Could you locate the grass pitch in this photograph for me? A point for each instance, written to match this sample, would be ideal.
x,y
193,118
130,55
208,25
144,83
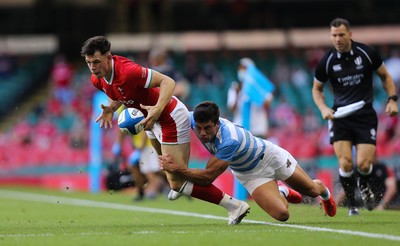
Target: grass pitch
x,y
42,217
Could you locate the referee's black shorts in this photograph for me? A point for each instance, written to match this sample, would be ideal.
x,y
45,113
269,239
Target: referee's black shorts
x,y
360,127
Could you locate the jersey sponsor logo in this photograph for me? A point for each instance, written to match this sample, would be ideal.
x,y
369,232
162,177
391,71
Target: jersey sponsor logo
x,y
337,67
358,62
128,102
351,80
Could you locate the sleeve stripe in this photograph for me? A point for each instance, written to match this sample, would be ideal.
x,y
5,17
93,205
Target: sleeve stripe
x,y
365,53
327,63
150,73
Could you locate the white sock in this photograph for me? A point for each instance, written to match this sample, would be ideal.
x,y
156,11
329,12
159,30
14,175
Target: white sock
x,y
327,195
345,174
283,190
229,203
187,188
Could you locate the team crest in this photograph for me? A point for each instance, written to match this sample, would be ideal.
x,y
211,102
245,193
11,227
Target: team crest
x,y
358,62
120,90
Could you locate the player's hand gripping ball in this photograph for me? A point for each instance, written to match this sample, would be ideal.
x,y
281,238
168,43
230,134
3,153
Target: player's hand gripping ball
x,y
129,119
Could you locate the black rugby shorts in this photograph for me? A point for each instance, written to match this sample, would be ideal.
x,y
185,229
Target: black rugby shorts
x,y
355,128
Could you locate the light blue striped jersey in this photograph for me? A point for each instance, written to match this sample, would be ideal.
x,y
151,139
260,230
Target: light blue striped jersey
x,y
236,145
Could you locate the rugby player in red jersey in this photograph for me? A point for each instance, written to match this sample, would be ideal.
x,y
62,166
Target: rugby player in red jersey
x,y
167,120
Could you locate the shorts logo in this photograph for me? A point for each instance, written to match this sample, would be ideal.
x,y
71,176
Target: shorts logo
x,y
330,128
128,102
373,133
288,163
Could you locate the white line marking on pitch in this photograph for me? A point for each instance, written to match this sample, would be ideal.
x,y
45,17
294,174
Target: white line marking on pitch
x,y
88,203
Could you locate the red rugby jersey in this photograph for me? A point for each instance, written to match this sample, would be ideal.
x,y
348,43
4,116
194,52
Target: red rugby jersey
x,y
129,85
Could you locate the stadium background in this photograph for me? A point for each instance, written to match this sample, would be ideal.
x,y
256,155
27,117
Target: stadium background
x,y
45,120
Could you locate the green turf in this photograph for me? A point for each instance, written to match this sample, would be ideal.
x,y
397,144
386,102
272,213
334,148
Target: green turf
x,y
51,219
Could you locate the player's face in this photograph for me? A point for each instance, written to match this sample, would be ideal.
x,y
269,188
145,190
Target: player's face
x,y
206,131
341,38
99,65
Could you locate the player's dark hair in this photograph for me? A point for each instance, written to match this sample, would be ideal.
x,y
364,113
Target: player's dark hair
x,y
337,22
96,43
206,111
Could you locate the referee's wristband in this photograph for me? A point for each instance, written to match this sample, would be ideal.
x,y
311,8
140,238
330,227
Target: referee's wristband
x,y
394,98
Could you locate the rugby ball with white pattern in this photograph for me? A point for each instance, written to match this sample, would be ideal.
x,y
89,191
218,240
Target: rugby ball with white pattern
x,y
129,119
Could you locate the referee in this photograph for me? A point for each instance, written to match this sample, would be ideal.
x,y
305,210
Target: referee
x,y
349,67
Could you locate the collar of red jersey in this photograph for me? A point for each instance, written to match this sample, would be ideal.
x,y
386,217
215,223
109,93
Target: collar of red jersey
x,y
112,73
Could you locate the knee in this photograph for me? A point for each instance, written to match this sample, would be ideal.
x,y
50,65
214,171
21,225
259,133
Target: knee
x,y
364,167
346,164
282,215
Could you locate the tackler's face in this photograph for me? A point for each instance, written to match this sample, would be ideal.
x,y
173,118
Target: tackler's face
x,y
341,38
206,131
99,65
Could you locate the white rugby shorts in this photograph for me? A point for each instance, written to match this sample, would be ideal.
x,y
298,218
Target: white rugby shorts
x,y
149,160
277,164
178,129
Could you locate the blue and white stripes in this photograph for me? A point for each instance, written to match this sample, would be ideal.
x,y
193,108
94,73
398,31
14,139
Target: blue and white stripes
x,y
237,146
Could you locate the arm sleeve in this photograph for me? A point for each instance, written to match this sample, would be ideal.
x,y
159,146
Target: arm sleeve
x,y
376,59
320,71
140,76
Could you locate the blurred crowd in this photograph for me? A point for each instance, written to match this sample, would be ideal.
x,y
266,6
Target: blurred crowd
x,y
56,131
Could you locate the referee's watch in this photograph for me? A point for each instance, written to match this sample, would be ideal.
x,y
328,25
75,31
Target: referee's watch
x,y
394,98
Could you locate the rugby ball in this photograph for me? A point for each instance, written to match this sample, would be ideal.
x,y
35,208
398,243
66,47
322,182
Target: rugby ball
x,y
129,119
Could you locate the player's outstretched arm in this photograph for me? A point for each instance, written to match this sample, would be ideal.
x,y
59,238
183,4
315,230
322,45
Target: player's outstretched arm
x,y
214,168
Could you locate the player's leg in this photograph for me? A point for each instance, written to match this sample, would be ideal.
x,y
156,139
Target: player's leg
x,y
291,195
301,182
137,175
365,158
237,210
181,153
347,176
150,167
268,197
156,144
